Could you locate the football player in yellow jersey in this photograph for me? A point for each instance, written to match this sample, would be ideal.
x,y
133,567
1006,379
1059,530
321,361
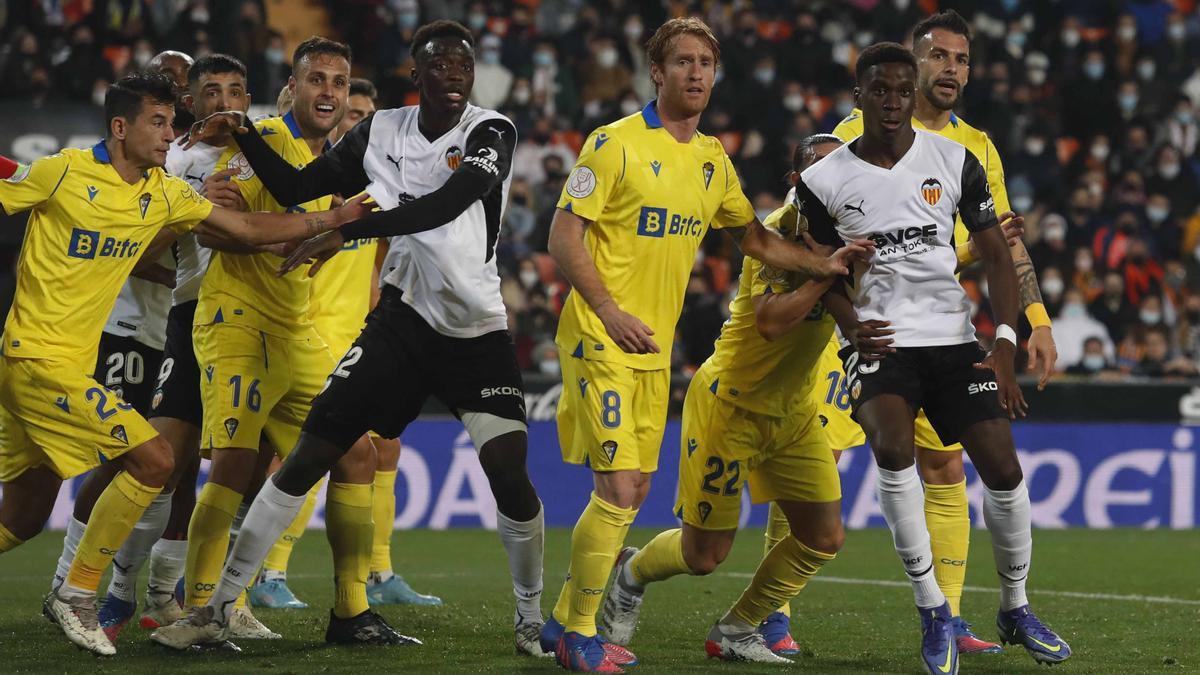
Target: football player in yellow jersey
x,y
56,422
641,197
748,417
262,361
942,47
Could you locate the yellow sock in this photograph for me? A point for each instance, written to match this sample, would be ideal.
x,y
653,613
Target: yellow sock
x,y
113,517
661,559
948,517
350,531
208,540
562,607
778,529
594,545
782,574
281,551
383,510
8,540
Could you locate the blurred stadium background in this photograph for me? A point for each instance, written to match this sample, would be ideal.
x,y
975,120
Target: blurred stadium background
x,y
1092,105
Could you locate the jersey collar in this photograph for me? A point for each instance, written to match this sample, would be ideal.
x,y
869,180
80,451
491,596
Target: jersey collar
x,y
290,120
100,152
650,114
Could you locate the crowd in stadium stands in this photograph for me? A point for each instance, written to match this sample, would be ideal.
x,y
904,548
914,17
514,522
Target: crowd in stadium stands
x,y
1092,104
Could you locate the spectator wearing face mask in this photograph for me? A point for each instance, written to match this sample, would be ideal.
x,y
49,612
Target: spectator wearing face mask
x,y
1074,326
1053,287
603,78
1086,278
1113,308
1037,162
1163,229
1051,249
1182,131
1157,360
1172,177
1188,329
553,90
492,80
1093,361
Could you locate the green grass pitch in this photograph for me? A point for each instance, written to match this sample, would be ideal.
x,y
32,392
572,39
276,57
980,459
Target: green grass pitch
x,y
1127,601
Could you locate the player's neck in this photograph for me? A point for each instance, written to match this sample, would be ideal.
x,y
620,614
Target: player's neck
x,y
679,124
882,154
931,116
433,124
314,139
125,168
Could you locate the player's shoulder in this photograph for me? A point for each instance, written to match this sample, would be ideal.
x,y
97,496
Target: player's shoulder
x,y
850,127
278,132
947,147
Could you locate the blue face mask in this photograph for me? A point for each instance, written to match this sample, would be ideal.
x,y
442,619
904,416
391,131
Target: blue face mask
x,y
1094,70
1128,102
1016,39
408,19
543,59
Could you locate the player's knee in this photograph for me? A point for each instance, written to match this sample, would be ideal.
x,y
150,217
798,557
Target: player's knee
x,y
357,465
826,540
153,464
941,468
1006,477
704,561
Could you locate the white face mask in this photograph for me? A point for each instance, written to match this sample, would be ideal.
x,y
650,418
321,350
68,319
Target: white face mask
x,y
1037,77
1127,33
1022,203
793,102
1100,151
1053,286
1073,310
1035,146
1145,70
1094,362
520,96
1168,171
1083,264
1157,214
606,58
550,367
1150,317
528,278
630,106
1070,37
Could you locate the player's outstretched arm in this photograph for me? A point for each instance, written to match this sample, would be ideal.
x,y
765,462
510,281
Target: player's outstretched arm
x,y
257,229
568,250
777,314
757,242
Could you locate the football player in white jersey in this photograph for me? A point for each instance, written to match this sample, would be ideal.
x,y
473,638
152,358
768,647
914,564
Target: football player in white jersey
x,y
441,172
912,344
213,83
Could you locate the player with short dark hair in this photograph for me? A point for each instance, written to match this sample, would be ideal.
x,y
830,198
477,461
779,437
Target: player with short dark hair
x,y
912,344
440,171
55,422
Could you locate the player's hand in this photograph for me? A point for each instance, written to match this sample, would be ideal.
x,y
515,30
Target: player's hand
x,y
318,249
871,339
840,262
157,274
213,127
1042,350
353,209
220,189
1013,227
1000,362
625,329
817,247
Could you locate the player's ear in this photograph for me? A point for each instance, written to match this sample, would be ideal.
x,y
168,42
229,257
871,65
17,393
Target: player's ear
x,y
656,75
189,102
857,100
292,85
118,128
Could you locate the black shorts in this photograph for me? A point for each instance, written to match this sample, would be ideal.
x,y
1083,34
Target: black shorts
x,y
177,393
127,367
942,380
399,361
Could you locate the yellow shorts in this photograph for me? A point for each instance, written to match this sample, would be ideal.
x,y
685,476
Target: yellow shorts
x,y
253,383
723,446
833,402
611,416
52,412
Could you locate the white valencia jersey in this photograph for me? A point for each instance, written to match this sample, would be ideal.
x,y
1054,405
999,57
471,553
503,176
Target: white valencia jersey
x,y
448,274
140,311
908,211
192,165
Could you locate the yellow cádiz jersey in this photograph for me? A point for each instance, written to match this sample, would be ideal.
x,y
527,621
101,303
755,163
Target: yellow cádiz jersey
x,y
243,289
974,140
87,229
650,200
341,294
772,378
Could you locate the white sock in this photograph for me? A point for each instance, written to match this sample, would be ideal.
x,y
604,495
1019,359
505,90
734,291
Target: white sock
x,y
272,575
128,561
70,544
167,561
273,510
1008,521
236,527
524,543
902,502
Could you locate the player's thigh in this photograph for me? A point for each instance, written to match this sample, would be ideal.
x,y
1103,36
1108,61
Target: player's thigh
x,y
884,396
593,426
718,440
957,394
796,464
128,368
56,414
177,389
239,385
379,384
309,363
649,408
481,382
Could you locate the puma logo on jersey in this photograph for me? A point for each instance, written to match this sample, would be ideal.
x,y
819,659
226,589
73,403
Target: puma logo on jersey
x,y
395,161
851,207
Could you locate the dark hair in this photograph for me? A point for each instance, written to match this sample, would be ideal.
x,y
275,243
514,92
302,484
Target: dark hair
x,y
882,52
125,96
946,20
361,86
440,29
664,37
215,64
805,147
319,45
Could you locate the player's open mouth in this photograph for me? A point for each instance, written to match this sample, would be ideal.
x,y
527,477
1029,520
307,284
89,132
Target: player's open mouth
x,y
455,96
324,108
891,125
947,86
695,90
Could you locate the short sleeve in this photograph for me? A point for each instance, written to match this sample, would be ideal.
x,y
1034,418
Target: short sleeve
x,y
599,170
489,150
33,184
975,207
995,176
735,209
849,128
821,226
784,222
187,207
